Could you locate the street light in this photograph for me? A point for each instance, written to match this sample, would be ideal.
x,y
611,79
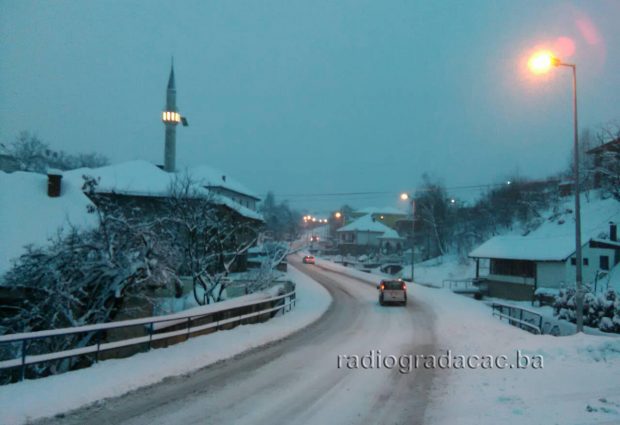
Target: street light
x,y
540,63
404,197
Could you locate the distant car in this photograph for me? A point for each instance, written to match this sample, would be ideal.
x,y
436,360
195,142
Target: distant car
x,y
308,259
392,291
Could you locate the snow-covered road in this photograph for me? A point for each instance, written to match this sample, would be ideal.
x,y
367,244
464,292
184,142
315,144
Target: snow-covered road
x,y
297,380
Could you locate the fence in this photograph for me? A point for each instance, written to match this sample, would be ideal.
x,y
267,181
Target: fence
x,y
466,286
183,325
520,317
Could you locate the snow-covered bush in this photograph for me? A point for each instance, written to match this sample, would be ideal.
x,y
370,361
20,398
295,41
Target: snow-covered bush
x,y
263,277
600,310
79,278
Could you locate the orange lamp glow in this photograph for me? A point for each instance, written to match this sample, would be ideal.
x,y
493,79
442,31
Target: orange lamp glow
x,y
542,61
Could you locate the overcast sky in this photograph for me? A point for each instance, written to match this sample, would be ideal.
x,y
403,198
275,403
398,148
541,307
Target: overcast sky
x,y
313,96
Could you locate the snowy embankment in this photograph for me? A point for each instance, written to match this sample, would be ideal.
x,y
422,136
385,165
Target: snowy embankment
x,y
34,399
579,382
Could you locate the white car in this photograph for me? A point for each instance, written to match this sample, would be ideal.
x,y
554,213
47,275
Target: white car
x,y
392,291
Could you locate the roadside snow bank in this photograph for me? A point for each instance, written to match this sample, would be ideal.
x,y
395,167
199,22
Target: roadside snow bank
x,y
29,400
578,383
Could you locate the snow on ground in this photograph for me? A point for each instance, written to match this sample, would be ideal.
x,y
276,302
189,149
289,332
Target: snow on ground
x,y
33,399
434,271
579,382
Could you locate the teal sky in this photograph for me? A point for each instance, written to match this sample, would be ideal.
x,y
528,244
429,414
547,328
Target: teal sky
x,y
315,96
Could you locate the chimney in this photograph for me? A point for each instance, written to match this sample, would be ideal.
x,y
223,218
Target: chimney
x,y
223,178
54,178
613,231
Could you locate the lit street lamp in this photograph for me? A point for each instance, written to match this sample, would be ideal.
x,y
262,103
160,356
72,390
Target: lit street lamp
x,y
404,197
540,63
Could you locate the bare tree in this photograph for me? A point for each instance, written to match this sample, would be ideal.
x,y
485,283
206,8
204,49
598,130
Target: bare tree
x,y
607,160
208,236
29,152
267,273
432,209
32,154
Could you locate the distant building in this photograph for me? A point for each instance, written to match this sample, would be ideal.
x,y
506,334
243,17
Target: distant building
x,y
604,156
366,235
389,216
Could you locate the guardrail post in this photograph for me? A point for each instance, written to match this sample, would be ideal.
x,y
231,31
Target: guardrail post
x,y
150,336
98,346
521,318
22,373
540,325
188,327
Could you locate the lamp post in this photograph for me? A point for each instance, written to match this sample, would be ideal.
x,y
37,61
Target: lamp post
x,y
539,63
404,197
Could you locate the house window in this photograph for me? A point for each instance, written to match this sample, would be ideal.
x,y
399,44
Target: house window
x,y
585,262
520,268
604,262
573,262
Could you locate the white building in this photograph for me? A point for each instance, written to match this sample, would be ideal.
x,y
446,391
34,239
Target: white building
x,y
517,266
368,234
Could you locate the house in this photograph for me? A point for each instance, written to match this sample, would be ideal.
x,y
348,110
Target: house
x,y
36,206
223,185
142,182
606,159
519,265
387,215
367,234
30,216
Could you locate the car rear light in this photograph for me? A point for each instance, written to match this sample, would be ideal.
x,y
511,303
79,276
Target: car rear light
x,y
382,287
404,286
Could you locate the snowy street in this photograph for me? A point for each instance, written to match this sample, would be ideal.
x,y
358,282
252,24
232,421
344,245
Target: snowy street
x,y
297,380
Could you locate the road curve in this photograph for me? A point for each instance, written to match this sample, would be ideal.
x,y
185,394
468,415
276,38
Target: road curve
x,y
297,379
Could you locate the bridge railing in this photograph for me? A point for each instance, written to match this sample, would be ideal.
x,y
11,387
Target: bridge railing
x,y
180,326
523,318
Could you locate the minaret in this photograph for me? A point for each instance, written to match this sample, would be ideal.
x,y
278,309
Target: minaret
x,y
171,118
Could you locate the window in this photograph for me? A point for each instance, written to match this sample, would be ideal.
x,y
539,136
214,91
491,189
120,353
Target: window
x,y
604,262
585,262
513,267
573,262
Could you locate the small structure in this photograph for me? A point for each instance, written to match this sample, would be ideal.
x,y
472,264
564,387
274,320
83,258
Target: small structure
x,y
367,234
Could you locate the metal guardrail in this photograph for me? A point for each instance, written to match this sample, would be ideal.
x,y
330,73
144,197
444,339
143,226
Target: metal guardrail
x,y
151,324
459,284
522,318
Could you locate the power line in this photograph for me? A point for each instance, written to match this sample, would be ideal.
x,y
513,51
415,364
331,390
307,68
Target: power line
x,y
379,193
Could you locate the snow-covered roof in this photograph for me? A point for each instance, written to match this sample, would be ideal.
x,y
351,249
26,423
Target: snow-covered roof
x,y
128,178
384,210
554,240
514,247
390,234
142,178
365,224
29,216
212,177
